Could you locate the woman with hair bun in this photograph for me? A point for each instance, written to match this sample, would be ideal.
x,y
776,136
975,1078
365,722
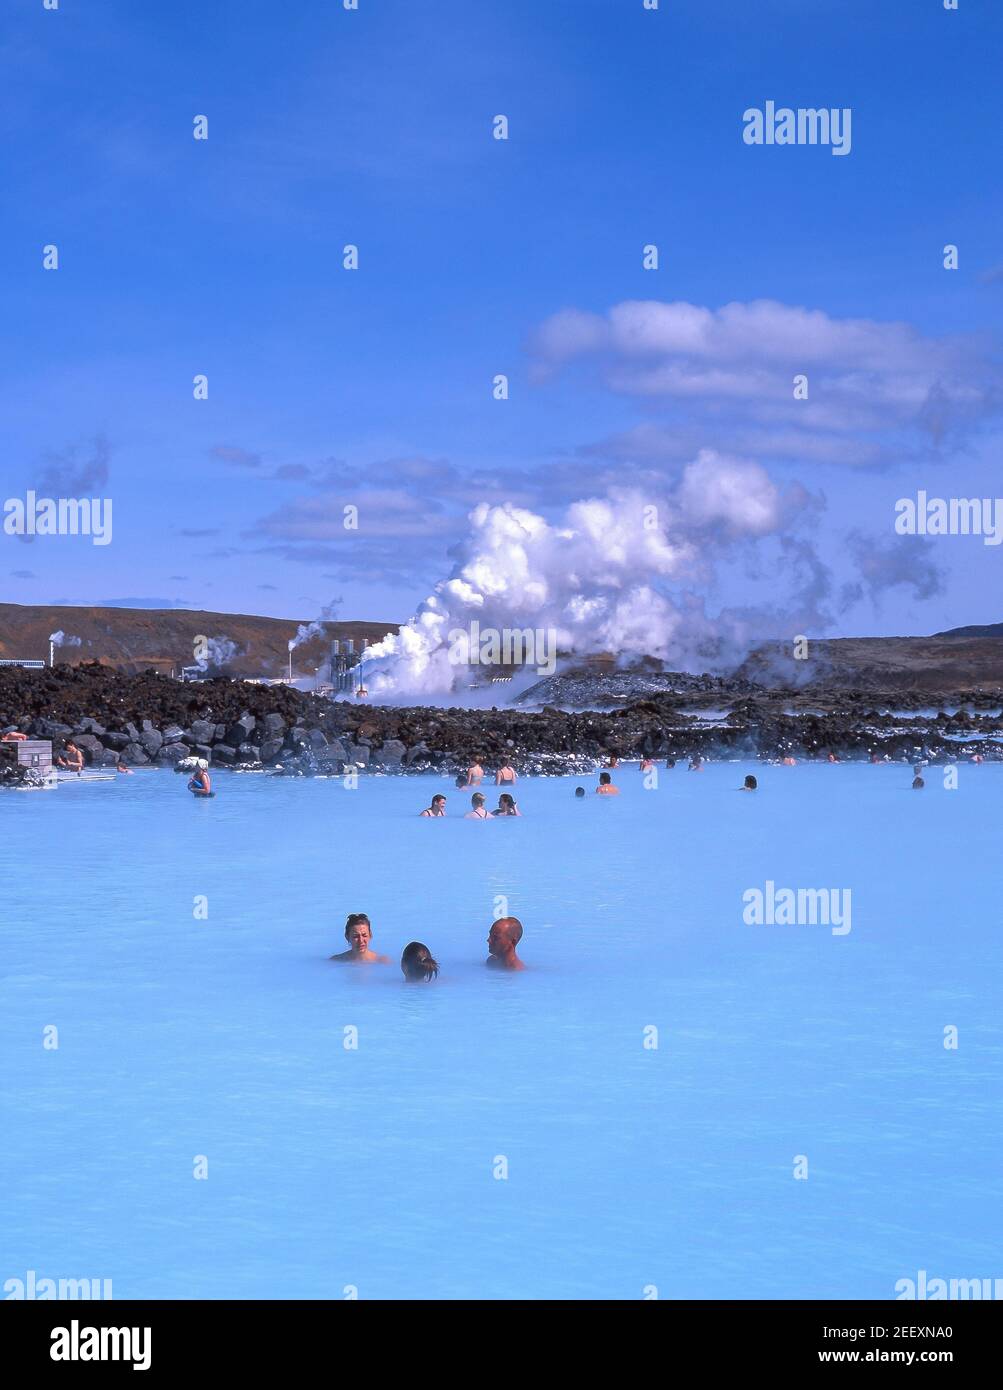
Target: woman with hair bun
x,y
417,964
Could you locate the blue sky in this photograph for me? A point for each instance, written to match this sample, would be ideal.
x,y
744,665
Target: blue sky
x,y
330,387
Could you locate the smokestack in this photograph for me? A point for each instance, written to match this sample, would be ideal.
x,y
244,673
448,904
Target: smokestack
x,y
52,652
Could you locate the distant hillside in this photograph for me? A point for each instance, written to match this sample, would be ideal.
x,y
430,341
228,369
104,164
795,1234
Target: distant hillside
x,y
987,630
133,639
961,660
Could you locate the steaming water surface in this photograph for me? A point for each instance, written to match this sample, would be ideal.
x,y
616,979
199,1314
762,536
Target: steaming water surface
x,y
627,1167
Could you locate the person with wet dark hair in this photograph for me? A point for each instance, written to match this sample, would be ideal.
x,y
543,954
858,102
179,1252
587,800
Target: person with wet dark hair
x,y
918,784
358,934
418,964
503,938
606,787
71,757
579,792
750,784
437,808
507,806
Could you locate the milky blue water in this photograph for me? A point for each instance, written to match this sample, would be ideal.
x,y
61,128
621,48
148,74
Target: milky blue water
x,y
627,1166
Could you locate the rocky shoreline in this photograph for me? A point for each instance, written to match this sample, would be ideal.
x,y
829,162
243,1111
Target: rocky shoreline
x,y
152,720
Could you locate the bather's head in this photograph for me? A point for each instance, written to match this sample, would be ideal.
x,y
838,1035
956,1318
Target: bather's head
x,y
579,791
504,936
605,779
358,931
477,800
918,784
506,803
417,963
750,783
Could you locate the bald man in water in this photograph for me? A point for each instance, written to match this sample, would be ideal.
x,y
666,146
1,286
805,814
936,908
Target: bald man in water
x,y
503,938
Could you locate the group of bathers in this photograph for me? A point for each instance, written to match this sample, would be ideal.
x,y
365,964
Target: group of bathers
x,y
418,965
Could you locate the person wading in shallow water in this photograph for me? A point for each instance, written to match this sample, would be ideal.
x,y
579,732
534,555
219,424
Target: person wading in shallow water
x,y
506,776
200,781
437,808
503,938
606,787
72,758
478,811
358,934
507,806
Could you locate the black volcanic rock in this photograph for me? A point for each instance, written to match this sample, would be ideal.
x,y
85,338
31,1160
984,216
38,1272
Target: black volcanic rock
x,y
51,729
173,752
270,750
202,730
239,731
739,719
152,740
391,754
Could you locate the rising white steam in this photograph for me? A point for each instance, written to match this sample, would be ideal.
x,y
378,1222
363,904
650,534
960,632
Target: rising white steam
x,y
609,577
219,652
64,639
317,628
